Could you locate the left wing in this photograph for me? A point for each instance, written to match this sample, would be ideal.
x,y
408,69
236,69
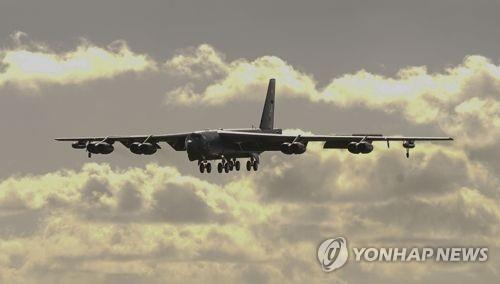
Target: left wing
x,y
356,143
241,137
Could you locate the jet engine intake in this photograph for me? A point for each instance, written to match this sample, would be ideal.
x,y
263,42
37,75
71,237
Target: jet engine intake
x,y
79,145
143,148
293,148
360,147
147,148
100,148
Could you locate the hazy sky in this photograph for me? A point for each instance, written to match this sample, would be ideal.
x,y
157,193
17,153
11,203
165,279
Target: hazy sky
x,y
72,68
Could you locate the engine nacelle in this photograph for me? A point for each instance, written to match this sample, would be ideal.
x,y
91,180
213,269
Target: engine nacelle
x,y
353,148
91,147
79,145
361,147
143,148
147,148
364,147
100,148
134,148
293,148
104,148
298,147
286,148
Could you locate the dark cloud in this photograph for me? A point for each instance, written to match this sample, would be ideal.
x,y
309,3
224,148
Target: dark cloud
x,y
179,204
94,190
255,274
21,224
292,185
129,198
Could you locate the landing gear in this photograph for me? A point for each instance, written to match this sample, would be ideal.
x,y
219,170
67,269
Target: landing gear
x,y
227,165
252,164
255,166
204,165
89,155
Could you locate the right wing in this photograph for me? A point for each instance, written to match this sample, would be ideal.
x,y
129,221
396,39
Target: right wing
x,y
175,140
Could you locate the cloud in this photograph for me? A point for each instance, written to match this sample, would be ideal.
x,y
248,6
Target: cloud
x,y
463,101
154,224
34,64
103,224
240,78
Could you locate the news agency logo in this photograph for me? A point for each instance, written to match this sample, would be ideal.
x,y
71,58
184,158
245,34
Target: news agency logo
x,y
333,254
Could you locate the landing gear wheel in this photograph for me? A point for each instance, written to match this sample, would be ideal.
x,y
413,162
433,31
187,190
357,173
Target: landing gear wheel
x,y
249,165
208,166
89,155
226,168
231,165
219,167
255,166
237,165
202,168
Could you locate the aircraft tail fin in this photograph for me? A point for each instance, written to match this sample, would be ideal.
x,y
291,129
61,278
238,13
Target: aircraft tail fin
x,y
267,119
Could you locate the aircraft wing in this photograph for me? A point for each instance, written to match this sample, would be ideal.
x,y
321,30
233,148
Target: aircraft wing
x,y
331,141
175,140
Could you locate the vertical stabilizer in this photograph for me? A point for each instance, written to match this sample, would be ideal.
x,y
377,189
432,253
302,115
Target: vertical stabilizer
x,y
267,119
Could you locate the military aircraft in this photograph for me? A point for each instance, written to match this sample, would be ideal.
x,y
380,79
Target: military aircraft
x,y
229,145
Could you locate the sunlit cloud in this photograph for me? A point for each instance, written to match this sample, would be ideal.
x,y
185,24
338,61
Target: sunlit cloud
x,y
462,100
146,223
34,64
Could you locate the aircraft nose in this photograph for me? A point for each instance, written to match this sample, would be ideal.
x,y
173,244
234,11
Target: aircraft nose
x,y
189,145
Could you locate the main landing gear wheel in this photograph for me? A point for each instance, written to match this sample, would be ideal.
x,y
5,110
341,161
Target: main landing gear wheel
x,y
219,167
226,168
255,166
208,166
252,164
237,165
202,168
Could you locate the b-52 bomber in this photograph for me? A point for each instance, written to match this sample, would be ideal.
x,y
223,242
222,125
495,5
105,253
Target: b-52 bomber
x,y
229,145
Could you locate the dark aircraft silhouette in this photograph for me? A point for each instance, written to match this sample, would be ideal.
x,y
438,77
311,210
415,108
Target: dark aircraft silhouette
x,y
228,145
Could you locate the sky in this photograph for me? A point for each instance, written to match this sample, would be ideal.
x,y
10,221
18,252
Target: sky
x,y
97,68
